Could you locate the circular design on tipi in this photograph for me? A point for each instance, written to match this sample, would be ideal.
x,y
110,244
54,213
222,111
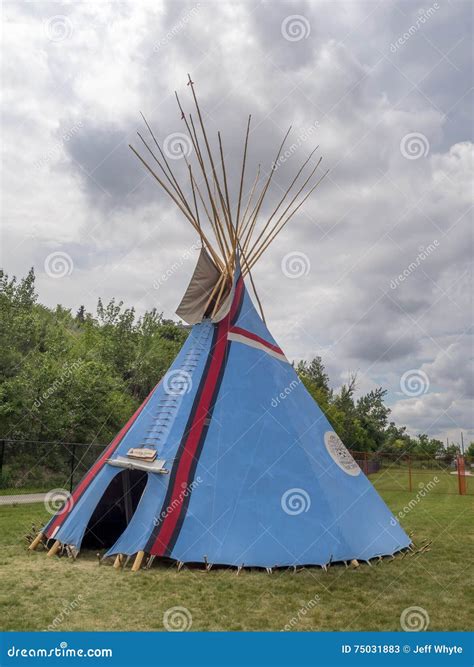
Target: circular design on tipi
x,y
339,454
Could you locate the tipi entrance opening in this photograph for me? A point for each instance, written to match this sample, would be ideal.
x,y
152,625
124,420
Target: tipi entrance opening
x,y
115,509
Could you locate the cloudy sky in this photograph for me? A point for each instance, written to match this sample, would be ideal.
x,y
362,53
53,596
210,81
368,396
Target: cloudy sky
x,y
384,88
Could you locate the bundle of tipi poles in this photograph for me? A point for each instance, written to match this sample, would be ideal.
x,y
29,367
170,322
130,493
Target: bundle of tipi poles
x,y
224,229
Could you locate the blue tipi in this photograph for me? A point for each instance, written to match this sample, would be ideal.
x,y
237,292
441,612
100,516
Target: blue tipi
x,y
229,460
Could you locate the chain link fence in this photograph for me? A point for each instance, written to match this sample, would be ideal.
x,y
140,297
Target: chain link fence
x,y
30,467
395,472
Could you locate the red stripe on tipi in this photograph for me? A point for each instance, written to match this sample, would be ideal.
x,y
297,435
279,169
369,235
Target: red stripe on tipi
x,y
257,339
182,479
98,465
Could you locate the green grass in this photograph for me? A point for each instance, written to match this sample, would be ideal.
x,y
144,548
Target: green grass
x,y
34,589
396,478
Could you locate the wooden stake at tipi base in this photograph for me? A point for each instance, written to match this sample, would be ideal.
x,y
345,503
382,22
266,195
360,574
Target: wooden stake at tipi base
x,y
36,542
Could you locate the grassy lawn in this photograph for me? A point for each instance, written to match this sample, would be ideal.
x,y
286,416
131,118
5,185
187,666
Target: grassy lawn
x,y
396,478
34,590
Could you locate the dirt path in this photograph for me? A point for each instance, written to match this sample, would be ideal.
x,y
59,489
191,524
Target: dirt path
x,y
22,498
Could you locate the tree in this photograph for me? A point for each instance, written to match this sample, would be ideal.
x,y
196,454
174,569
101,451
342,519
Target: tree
x,y
397,440
76,378
372,416
81,314
429,447
315,373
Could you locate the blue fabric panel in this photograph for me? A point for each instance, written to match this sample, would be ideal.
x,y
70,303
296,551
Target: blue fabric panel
x,y
196,348
249,319
135,536
262,449
166,413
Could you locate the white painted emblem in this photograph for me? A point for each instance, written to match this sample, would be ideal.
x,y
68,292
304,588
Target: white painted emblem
x,y
339,454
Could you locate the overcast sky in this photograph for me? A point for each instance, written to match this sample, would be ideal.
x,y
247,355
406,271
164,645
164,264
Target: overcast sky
x,y
384,88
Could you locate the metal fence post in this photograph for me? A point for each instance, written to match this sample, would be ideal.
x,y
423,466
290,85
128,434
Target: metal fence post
x,y
461,476
2,454
73,464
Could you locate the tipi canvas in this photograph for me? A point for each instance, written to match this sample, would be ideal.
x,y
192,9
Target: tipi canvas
x,y
229,460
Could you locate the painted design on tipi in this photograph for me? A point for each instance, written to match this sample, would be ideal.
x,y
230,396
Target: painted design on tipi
x,y
340,454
